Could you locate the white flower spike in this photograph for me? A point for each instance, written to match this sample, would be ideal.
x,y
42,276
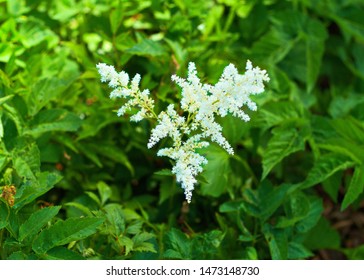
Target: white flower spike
x,y
201,104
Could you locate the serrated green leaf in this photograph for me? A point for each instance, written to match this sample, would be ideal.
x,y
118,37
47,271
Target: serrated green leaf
x,y
283,143
140,243
356,187
31,189
324,167
36,221
127,243
179,246
115,217
63,232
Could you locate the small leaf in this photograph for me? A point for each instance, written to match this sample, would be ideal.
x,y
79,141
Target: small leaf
x,y
36,221
104,191
64,232
356,187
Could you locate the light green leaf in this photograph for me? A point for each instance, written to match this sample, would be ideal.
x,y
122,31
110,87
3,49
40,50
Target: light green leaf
x,y
36,221
147,47
356,187
64,232
104,191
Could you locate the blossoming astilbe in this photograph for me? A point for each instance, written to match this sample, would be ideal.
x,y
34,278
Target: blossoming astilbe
x,y
201,102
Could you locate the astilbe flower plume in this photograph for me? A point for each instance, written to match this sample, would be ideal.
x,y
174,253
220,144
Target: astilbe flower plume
x,y
201,104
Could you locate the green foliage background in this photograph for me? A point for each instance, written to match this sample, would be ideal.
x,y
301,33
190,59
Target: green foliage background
x,y
88,187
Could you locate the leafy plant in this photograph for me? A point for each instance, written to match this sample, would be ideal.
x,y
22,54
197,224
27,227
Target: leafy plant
x,y
78,182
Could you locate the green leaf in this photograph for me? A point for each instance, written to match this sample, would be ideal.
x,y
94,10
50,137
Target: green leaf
x,y
315,46
104,191
322,236
115,218
283,143
147,47
140,243
36,221
312,217
4,213
275,113
218,159
45,90
62,253
324,167
164,172
277,242
231,206
355,253
178,245
64,232
297,251
296,208
32,190
356,187
53,120
272,199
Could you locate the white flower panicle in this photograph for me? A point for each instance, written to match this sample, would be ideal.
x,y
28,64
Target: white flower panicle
x,y
122,89
201,103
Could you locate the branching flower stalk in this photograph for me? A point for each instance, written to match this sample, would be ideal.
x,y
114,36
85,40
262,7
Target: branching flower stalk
x,y
201,103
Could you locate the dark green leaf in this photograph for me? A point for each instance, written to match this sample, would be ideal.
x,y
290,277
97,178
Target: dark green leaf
x,y
4,213
64,232
356,187
36,221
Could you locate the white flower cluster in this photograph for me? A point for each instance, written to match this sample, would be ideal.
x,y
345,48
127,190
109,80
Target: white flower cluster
x,y
201,103
120,83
